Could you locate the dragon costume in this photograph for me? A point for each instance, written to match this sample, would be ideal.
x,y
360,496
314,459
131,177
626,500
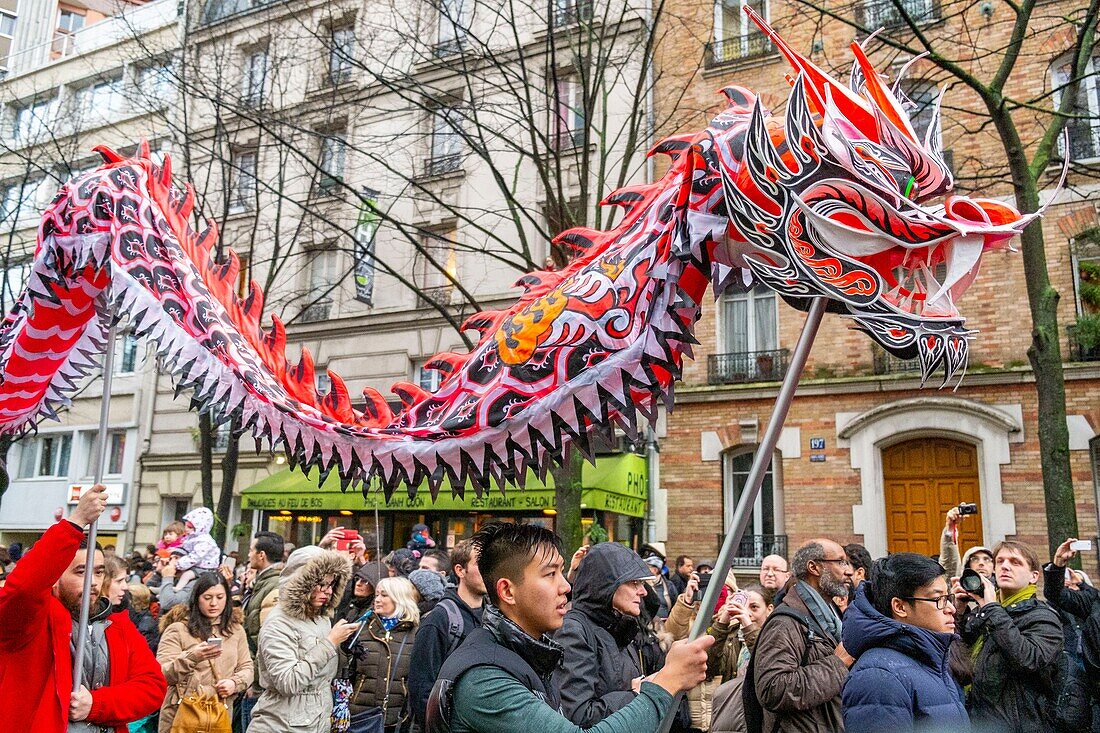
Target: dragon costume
x,y
832,200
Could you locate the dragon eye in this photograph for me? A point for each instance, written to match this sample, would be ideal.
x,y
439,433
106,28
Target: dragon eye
x,y
910,188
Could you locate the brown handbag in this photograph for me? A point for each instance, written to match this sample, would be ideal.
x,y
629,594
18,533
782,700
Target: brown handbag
x,y
200,713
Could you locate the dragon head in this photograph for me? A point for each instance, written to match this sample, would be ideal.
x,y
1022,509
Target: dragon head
x,y
842,198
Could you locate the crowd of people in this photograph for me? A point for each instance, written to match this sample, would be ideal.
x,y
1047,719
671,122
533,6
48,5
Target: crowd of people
x,y
502,633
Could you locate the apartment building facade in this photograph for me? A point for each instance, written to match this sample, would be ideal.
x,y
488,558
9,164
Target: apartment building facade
x,y
384,172
867,455
80,75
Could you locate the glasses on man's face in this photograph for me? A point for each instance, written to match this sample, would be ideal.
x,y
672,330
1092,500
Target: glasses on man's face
x,y
940,601
841,561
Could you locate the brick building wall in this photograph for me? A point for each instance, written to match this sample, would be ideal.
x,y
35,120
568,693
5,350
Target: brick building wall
x,y
818,497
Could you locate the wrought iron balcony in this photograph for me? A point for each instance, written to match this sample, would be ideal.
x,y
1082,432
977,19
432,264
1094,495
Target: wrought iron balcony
x,y
443,164
747,366
449,47
875,14
317,312
569,139
755,547
887,363
754,45
1078,352
569,12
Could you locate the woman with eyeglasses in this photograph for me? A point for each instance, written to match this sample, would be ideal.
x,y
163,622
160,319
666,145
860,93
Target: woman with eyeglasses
x,y
297,655
900,627
381,653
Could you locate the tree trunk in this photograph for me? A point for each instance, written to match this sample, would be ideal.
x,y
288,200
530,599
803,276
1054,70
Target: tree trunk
x,y
5,472
1045,354
567,500
206,460
229,480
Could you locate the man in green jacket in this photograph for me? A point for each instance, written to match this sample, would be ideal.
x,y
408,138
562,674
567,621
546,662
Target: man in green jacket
x,y
499,680
265,556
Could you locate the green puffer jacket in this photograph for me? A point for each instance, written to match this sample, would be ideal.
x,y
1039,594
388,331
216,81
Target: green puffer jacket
x,y
382,660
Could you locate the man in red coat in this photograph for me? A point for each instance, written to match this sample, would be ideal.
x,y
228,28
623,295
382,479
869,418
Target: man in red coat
x,y
39,614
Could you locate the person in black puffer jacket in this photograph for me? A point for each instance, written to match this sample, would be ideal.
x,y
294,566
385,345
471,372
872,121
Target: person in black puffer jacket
x,y
602,669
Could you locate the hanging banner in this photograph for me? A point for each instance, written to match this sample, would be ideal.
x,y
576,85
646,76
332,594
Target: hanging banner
x,y
365,230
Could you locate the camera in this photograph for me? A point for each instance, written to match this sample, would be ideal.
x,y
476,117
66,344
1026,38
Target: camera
x,y
704,582
971,582
965,509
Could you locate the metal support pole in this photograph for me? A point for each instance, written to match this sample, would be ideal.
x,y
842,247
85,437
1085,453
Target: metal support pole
x,y
100,463
760,463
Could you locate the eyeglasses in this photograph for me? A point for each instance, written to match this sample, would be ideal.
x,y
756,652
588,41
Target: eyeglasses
x,y
940,601
326,586
842,561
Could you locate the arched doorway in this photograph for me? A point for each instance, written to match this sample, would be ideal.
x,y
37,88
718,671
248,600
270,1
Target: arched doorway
x,y
922,479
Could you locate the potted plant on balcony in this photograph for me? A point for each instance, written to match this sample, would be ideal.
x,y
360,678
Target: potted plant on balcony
x,y
1087,334
765,365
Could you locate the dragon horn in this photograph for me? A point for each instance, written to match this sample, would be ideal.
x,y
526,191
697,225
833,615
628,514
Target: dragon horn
x,y
883,98
854,108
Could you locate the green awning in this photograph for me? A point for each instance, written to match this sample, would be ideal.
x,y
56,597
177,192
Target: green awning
x,y
616,483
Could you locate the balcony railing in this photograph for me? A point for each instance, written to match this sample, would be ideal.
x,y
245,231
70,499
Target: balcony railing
x,y
449,47
874,14
887,363
443,164
755,547
569,139
216,10
129,24
747,366
568,12
754,45
316,312
1077,352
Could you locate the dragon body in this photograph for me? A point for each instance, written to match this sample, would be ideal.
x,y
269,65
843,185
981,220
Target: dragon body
x,y
831,200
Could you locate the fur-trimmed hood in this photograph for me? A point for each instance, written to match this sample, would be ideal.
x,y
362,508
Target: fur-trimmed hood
x,y
296,589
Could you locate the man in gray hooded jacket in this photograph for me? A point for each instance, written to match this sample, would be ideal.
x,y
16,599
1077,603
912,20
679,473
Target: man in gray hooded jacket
x,y
602,670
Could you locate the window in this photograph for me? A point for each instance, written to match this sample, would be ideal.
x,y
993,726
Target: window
x,y
569,118
568,12
99,102
116,453
21,202
243,181
425,378
64,38
748,338
434,267
453,26
735,36
126,354
333,152
7,23
760,536
255,78
46,455
341,55
446,141
1084,123
12,281
923,95
323,274
155,85
32,121
324,381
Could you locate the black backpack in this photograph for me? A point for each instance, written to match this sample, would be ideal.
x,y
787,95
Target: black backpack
x,y
455,625
754,711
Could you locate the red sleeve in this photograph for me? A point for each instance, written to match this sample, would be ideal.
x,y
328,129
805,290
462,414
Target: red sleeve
x,y
24,598
141,691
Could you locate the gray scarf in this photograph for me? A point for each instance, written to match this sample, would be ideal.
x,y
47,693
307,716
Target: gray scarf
x,y
97,663
822,610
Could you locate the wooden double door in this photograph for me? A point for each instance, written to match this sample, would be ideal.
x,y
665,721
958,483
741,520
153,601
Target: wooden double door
x,y
922,479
